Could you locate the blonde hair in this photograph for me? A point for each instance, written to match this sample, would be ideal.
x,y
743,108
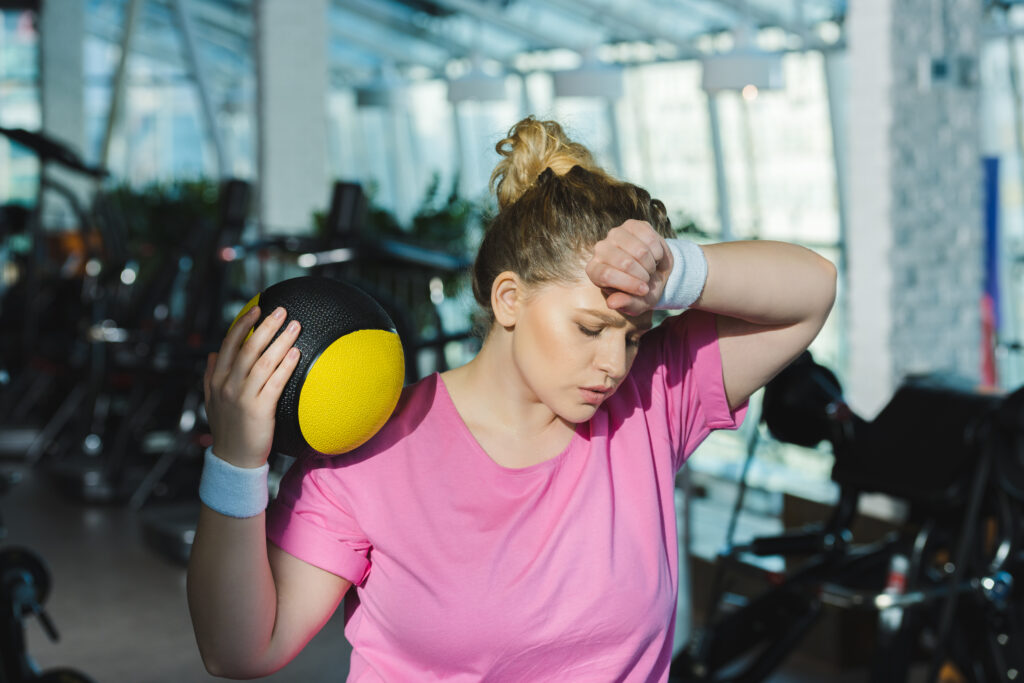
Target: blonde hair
x,y
531,147
554,204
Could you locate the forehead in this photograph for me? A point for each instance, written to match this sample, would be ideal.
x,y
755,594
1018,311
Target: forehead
x,y
583,297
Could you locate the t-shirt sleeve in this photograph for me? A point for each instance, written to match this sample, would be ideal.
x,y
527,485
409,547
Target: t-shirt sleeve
x,y
686,366
309,520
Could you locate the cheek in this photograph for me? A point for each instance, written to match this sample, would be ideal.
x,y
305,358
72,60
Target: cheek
x,y
553,349
630,357
551,346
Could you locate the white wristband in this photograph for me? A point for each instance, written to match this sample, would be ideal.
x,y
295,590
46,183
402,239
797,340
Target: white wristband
x,y
231,490
689,273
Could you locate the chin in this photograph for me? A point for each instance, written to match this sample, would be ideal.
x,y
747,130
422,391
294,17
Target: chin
x,y
579,414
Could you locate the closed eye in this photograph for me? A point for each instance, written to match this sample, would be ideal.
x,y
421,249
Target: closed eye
x,y
631,341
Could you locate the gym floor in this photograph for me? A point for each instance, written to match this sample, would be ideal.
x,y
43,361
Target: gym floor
x,y
120,607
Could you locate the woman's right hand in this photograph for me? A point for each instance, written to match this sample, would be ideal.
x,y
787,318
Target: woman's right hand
x,y
243,383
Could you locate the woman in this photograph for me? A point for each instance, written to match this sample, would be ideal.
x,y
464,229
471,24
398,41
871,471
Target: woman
x,y
514,520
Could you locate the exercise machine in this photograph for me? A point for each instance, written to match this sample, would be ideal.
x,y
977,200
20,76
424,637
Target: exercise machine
x,y
942,589
25,584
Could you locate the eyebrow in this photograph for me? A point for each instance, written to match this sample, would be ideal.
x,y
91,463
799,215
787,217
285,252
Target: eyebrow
x,y
612,320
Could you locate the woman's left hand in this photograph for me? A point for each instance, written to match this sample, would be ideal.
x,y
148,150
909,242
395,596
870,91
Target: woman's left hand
x,y
631,266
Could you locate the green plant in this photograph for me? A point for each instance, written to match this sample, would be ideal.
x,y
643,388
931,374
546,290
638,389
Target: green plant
x,y
444,222
159,213
685,226
155,220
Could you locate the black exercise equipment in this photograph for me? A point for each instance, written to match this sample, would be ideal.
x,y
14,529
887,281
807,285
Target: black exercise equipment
x,y
145,378
25,584
41,299
15,5
398,274
942,587
49,151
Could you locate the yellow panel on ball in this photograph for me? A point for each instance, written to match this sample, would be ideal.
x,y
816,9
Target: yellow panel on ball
x,y
351,390
245,309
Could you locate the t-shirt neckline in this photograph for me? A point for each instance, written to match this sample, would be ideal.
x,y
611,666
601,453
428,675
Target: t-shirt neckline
x,y
441,390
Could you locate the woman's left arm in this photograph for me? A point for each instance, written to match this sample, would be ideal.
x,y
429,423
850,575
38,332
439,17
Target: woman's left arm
x,y
771,299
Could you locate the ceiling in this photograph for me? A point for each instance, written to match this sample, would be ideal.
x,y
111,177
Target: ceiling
x,y
431,38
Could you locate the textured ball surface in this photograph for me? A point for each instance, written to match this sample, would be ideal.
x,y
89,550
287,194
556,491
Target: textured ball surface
x,y
351,371
352,367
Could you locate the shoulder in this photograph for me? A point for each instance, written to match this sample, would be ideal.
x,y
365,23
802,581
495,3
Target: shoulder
x,y
680,341
416,410
417,402
677,363
376,460
691,324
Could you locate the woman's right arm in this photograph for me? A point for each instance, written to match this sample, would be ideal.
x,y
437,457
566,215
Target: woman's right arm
x,y
253,606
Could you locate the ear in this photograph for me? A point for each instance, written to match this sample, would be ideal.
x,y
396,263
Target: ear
x,y
507,295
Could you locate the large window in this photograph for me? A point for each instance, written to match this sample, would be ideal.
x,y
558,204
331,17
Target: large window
x,y
19,104
397,150
666,140
161,133
779,173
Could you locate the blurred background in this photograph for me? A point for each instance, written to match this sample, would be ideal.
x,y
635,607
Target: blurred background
x,y
162,161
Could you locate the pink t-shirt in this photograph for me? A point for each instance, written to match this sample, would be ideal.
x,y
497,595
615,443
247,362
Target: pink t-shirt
x,y
466,570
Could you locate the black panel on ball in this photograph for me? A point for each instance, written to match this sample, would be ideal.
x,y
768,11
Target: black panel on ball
x,y
327,310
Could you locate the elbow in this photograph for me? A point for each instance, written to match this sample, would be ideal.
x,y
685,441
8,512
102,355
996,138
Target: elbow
x,y
216,668
221,669
233,670
829,280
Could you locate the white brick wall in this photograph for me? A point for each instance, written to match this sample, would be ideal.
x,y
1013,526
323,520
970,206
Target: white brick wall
x,y
915,233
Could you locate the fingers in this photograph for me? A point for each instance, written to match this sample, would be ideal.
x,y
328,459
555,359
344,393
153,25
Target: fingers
x,y
274,385
254,346
211,360
631,266
626,304
611,277
619,301
230,346
270,361
242,370
630,255
642,242
628,258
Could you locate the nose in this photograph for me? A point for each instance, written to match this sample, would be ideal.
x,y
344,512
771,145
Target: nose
x,y
611,358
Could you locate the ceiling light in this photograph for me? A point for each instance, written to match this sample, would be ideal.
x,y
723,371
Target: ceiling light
x,y
745,65
477,84
592,79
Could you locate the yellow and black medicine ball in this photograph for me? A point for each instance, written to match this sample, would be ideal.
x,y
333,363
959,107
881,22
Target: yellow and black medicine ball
x,y
351,371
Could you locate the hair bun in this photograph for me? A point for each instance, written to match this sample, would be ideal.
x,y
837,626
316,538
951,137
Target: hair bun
x,y
530,148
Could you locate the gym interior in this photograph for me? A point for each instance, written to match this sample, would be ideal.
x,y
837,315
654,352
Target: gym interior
x,y
162,162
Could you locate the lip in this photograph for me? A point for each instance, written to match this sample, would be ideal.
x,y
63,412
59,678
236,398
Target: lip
x,y
594,395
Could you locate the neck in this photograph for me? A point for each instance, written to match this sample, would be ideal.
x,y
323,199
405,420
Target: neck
x,y
490,393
